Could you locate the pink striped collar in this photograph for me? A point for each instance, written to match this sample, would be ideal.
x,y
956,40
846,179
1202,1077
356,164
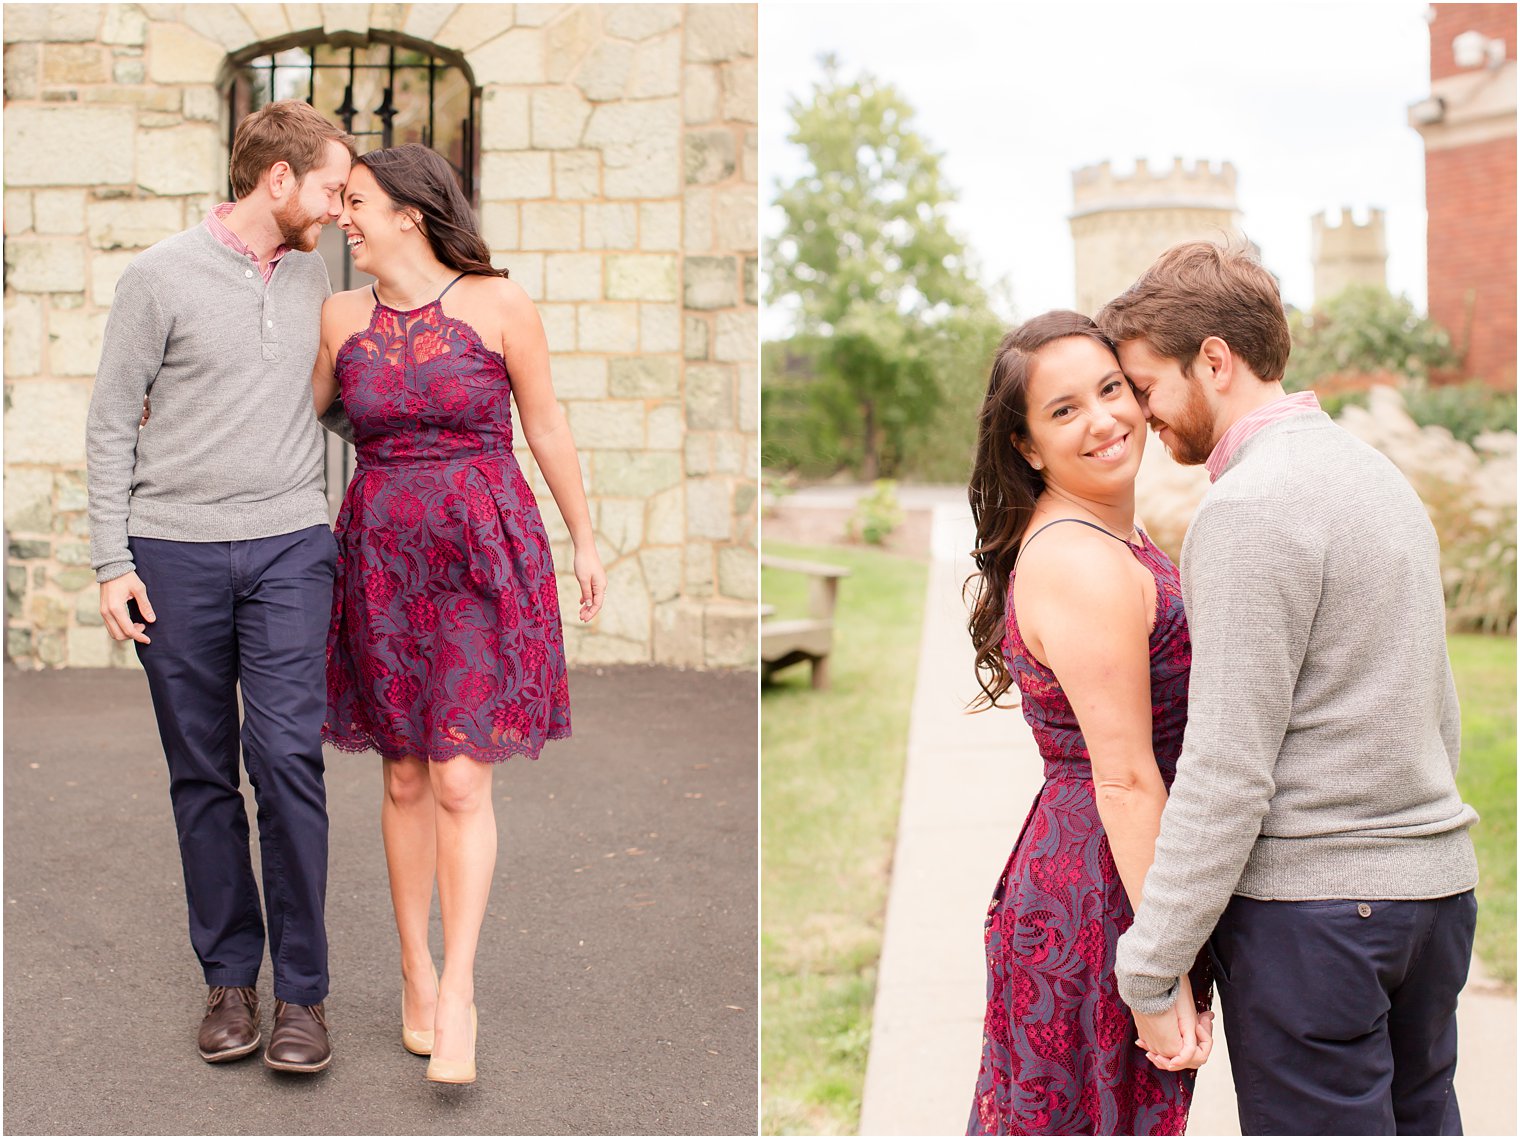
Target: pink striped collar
x,y
232,241
1219,458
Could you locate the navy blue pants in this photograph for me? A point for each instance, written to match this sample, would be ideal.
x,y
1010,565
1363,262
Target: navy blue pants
x,y
250,615
1341,1016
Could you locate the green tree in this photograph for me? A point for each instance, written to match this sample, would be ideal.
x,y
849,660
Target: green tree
x,y
1364,330
868,262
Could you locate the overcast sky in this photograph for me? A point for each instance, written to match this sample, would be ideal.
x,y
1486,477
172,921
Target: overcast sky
x,y
1309,101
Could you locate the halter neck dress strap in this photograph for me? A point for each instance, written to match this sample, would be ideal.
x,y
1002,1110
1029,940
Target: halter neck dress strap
x,y
449,286
1024,545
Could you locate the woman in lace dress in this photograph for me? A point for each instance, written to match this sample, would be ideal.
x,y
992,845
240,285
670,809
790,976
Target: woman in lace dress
x,y
1078,608
445,654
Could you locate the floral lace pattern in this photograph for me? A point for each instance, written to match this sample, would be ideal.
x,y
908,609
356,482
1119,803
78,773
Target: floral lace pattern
x,y
1058,1050
445,636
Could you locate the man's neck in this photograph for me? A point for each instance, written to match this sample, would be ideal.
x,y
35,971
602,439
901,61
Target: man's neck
x,y
255,227
1254,398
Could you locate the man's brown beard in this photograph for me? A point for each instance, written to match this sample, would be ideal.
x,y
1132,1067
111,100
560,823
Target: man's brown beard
x,y
1192,432
293,234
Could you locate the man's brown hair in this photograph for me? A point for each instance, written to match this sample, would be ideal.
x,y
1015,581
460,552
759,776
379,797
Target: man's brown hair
x,y
1198,289
287,131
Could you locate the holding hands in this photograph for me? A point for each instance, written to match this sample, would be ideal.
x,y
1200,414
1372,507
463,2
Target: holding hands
x,y
1181,1037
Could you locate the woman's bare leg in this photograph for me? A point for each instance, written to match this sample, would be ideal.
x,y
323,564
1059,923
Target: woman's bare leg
x,y
466,827
407,824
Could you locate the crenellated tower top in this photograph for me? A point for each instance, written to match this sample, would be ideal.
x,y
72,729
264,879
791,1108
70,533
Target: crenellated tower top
x,y
1348,252
1195,185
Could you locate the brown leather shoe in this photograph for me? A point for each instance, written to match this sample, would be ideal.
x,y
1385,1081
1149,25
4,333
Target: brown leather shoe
x,y
299,1041
230,1028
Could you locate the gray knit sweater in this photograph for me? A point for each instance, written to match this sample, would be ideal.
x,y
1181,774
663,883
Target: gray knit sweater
x,y
232,450
1323,730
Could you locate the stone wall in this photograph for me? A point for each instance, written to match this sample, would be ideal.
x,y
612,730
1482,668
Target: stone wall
x,y
618,183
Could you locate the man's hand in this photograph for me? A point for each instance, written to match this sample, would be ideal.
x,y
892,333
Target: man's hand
x,y
1178,1038
114,595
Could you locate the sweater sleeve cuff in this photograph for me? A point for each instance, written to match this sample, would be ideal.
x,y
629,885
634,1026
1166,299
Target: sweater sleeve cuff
x,y
112,570
1147,995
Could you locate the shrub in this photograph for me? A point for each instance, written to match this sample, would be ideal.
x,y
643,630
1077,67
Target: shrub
x,y
876,514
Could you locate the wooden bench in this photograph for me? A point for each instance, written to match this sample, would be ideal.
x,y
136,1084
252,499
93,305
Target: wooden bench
x,y
789,642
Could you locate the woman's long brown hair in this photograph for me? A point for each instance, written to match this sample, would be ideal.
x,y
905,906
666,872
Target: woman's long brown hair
x,y
415,177
1004,488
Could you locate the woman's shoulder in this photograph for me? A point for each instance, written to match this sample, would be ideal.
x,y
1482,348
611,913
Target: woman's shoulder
x,y
1069,550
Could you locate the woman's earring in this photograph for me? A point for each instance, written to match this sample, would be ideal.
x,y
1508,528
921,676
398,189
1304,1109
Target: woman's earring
x,y
1036,464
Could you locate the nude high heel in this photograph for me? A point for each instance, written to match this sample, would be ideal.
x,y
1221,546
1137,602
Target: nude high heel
x,y
418,1042
456,1071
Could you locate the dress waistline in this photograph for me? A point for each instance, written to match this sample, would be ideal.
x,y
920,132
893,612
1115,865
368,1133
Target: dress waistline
x,y
372,463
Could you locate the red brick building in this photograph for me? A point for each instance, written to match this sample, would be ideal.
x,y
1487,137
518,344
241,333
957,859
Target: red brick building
x,y
1468,124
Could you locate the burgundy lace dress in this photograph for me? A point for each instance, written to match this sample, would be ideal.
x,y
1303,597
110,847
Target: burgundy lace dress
x,y
445,636
1058,1048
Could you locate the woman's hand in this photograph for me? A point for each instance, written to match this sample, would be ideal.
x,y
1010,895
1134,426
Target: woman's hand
x,y
1180,1037
593,579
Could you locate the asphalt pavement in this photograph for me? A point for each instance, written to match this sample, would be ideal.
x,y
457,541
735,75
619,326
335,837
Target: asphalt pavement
x,y
616,979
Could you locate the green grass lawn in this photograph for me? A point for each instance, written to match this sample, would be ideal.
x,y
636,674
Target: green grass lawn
x,y
1485,672
831,790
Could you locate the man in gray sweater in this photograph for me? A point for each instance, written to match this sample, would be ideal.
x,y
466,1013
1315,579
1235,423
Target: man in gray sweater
x,y
1314,837
210,541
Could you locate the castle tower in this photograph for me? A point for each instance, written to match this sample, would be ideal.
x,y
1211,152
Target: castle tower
x,y
1120,223
1348,253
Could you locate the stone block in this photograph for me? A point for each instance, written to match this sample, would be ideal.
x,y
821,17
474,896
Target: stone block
x,y
749,164
269,21
749,398
636,474
710,156
99,150
505,123
607,423
471,25
570,39
203,105
559,116
709,397
577,175
528,271
18,645
738,336
699,570
223,24
709,509
738,572
69,65
608,328
178,160
129,72
736,216
586,648
176,54
644,377
641,21
125,24
697,338
55,23
551,225
711,282
580,377
74,340
678,633
696,221
105,270
730,636
662,573
573,277
74,580
23,70
128,223
716,33
656,68
18,212
660,226
641,277
620,522
424,20
703,96
87,609
23,336
665,428
697,456
612,225
58,211
30,550
47,612
603,75
89,648
166,100
639,145
665,521
728,455
45,422
518,53
741,91
752,280
71,490
659,328
516,175
499,225
28,500
539,15
44,265
559,326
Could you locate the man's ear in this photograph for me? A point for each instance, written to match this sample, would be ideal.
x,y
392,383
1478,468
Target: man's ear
x,y
1215,364
280,179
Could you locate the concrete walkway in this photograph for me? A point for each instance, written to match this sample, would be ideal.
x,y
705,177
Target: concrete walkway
x,y
970,781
